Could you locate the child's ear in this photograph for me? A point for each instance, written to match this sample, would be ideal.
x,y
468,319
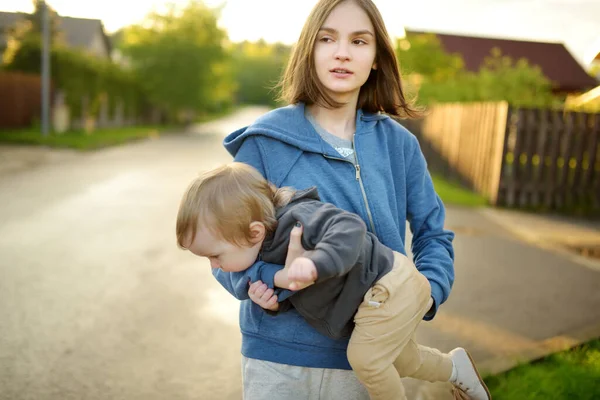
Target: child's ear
x,y
257,231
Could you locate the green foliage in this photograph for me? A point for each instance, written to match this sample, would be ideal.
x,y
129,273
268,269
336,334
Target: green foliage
x,y
30,29
179,58
423,54
441,77
80,75
257,68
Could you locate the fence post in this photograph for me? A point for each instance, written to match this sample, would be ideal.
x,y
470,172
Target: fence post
x,y
497,153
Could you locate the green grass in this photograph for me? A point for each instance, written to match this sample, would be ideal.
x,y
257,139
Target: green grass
x,y
573,374
100,138
78,139
453,194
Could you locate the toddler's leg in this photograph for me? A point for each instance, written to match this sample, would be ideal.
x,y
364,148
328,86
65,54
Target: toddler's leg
x,y
424,363
431,365
385,323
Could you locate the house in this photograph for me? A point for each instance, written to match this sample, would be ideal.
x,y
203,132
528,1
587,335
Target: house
x,y
555,61
87,35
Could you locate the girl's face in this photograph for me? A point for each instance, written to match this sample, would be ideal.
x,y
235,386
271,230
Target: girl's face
x,y
345,51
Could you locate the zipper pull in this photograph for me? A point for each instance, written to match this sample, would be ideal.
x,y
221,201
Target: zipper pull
x,y
357,172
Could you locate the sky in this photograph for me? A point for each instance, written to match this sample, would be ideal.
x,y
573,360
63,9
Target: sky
x,y
576,23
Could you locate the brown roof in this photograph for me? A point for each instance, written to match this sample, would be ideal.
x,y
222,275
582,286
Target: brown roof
x,y
554,59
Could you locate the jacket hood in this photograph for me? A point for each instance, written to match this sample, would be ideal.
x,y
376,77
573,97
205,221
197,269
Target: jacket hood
x,y
288,125
310,193
278,237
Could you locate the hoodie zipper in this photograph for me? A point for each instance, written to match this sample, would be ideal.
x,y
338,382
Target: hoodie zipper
x,y
362,187
360,182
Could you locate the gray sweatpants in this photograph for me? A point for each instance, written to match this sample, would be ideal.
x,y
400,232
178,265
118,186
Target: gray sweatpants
x,y
264,380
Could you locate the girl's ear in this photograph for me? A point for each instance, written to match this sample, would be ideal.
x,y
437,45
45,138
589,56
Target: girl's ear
x,y
257,232
374,66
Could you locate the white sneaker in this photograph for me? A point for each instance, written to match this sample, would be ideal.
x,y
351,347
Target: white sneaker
x,y
467,378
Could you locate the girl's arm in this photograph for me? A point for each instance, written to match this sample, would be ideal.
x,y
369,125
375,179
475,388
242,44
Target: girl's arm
x,y
432,244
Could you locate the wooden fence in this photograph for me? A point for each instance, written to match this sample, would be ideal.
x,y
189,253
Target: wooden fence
x,y
521,157
20,106
20,99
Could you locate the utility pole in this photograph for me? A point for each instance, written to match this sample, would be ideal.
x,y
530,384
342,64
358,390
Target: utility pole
x,y
45,69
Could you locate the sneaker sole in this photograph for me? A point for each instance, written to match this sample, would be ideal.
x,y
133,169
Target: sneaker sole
x,y
479,376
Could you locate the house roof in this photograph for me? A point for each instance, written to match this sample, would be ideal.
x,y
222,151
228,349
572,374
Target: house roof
x,y
79,32
8,19
554,59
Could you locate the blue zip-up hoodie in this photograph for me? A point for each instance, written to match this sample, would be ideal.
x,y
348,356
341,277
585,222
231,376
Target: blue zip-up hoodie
x,y
389,185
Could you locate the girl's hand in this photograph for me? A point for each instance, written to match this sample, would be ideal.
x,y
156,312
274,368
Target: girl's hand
x,y
295,248
302,273
263,296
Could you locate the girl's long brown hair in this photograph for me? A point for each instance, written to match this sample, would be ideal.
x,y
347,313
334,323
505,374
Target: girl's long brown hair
x,y
383,90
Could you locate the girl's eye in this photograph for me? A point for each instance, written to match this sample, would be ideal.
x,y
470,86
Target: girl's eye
x,y
359,41
326,39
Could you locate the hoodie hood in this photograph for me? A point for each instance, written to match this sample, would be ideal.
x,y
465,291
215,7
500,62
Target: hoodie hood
x,y
310,193
279,237
288,125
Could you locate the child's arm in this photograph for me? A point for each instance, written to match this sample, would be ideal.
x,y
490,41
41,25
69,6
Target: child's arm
x,y
262,272
336,238
236,283
302,273
263,296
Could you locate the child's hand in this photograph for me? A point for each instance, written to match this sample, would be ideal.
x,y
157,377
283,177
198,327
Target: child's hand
x,y
263,296
302,273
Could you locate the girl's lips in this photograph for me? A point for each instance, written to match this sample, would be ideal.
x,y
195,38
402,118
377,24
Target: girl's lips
x,y
341,70
341,73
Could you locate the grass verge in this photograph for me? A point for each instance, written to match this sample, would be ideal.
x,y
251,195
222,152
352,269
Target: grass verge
x,y
453,194
572,374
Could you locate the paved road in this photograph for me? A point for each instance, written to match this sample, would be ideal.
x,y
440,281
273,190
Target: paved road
x,y
96,300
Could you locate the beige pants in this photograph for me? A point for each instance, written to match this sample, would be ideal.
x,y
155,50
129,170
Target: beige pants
x,y
382,348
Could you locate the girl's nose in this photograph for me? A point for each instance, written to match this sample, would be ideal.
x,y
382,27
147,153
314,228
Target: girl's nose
x,y
342,53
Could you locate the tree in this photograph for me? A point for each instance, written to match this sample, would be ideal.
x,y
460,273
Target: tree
x,y
502,78
178,56
423,54
441,77
257,69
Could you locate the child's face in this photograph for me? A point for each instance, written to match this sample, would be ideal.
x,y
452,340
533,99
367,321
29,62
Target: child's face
x,y
222,254
345,51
